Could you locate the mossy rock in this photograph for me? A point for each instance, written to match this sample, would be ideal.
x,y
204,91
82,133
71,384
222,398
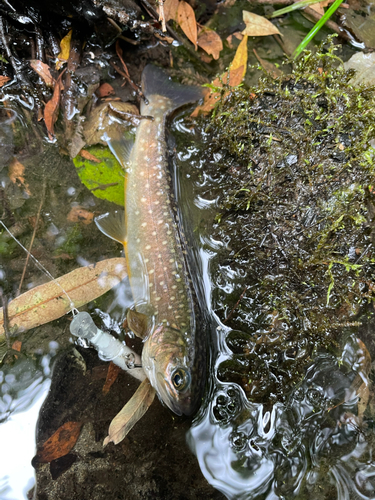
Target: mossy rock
x,y
296,198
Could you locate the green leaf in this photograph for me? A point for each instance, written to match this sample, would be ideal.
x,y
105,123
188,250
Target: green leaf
x,y
105,179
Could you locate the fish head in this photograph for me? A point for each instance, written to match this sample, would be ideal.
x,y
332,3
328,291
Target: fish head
x,y
166,363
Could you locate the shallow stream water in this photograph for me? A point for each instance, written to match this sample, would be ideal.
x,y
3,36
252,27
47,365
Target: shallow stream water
x,y
313,443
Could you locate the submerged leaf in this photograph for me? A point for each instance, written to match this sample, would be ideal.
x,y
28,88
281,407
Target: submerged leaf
x,y
133,411
105,179
170,10
59,444
65,49
112,373
43,71
210,41
51,109
3,80
258,25
48,302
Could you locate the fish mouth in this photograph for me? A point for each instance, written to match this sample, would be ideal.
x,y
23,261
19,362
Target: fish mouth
x,y
180,404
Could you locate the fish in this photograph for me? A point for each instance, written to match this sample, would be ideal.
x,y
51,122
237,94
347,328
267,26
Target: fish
x,y
165,313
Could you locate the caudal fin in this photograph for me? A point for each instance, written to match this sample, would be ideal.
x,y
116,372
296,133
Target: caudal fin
x,y
156,82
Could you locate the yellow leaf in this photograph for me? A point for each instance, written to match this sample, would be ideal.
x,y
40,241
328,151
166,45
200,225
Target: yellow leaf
x,y
187,22
48,302
239,61
65,49
133,411
236,73
258,25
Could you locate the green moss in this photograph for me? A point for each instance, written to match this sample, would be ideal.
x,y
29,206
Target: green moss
x,y
297,210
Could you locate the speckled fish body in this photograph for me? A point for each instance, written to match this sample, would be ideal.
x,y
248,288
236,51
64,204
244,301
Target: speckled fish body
x,y
156,254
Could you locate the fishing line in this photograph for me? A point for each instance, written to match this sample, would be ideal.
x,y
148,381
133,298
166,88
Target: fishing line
x,y
73,309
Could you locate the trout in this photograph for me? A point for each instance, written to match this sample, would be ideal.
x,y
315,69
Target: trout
x,y
165,312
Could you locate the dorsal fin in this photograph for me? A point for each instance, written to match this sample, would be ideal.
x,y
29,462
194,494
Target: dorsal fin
x,y
113,225
156,82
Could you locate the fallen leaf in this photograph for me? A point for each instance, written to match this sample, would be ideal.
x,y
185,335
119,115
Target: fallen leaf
x,y
48,302
105,180
170,10
258,25
239,63
3,80
210,42
43,71
63,57
233,77
16,175
112,373
105,90
133,411
231,38
88,156
318,8
17,345
79,214
268,66
59,444
187,22
51,109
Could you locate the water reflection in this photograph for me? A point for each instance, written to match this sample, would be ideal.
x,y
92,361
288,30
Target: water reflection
x,y
318,442
23,387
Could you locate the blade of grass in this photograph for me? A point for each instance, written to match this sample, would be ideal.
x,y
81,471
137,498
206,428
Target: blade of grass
x,y
316,28
294,6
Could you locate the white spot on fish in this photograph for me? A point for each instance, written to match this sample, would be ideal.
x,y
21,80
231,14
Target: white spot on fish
x,y
151,271
144,224
158,119
150,285
154,233
172,298
161,283
157,299
143,200
138,240
165,242
148,247
174,287
156,202
160,221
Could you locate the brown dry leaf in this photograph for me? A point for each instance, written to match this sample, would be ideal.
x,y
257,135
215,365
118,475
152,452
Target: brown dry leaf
x,y
3,80
258,25
268,66
112,373
105,90
43,71
238,35
63,57
318,8
170,10
59,444
79,214
51,109
186,20
48,302
16,175
237,71
361,380
17,345
89,156
133,411
210,41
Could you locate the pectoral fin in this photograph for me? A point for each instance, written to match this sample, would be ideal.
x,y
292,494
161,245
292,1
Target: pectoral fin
x,y
138,323
113,225
121,147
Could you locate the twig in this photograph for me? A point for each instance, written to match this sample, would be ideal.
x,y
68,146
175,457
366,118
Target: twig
x,y
330,24
122,73
32,239
4,304
162,15
236,305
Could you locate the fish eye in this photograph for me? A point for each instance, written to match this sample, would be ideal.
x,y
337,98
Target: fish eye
x,y
180,379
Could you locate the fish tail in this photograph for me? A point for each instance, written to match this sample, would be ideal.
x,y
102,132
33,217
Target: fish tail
x,y
155,82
